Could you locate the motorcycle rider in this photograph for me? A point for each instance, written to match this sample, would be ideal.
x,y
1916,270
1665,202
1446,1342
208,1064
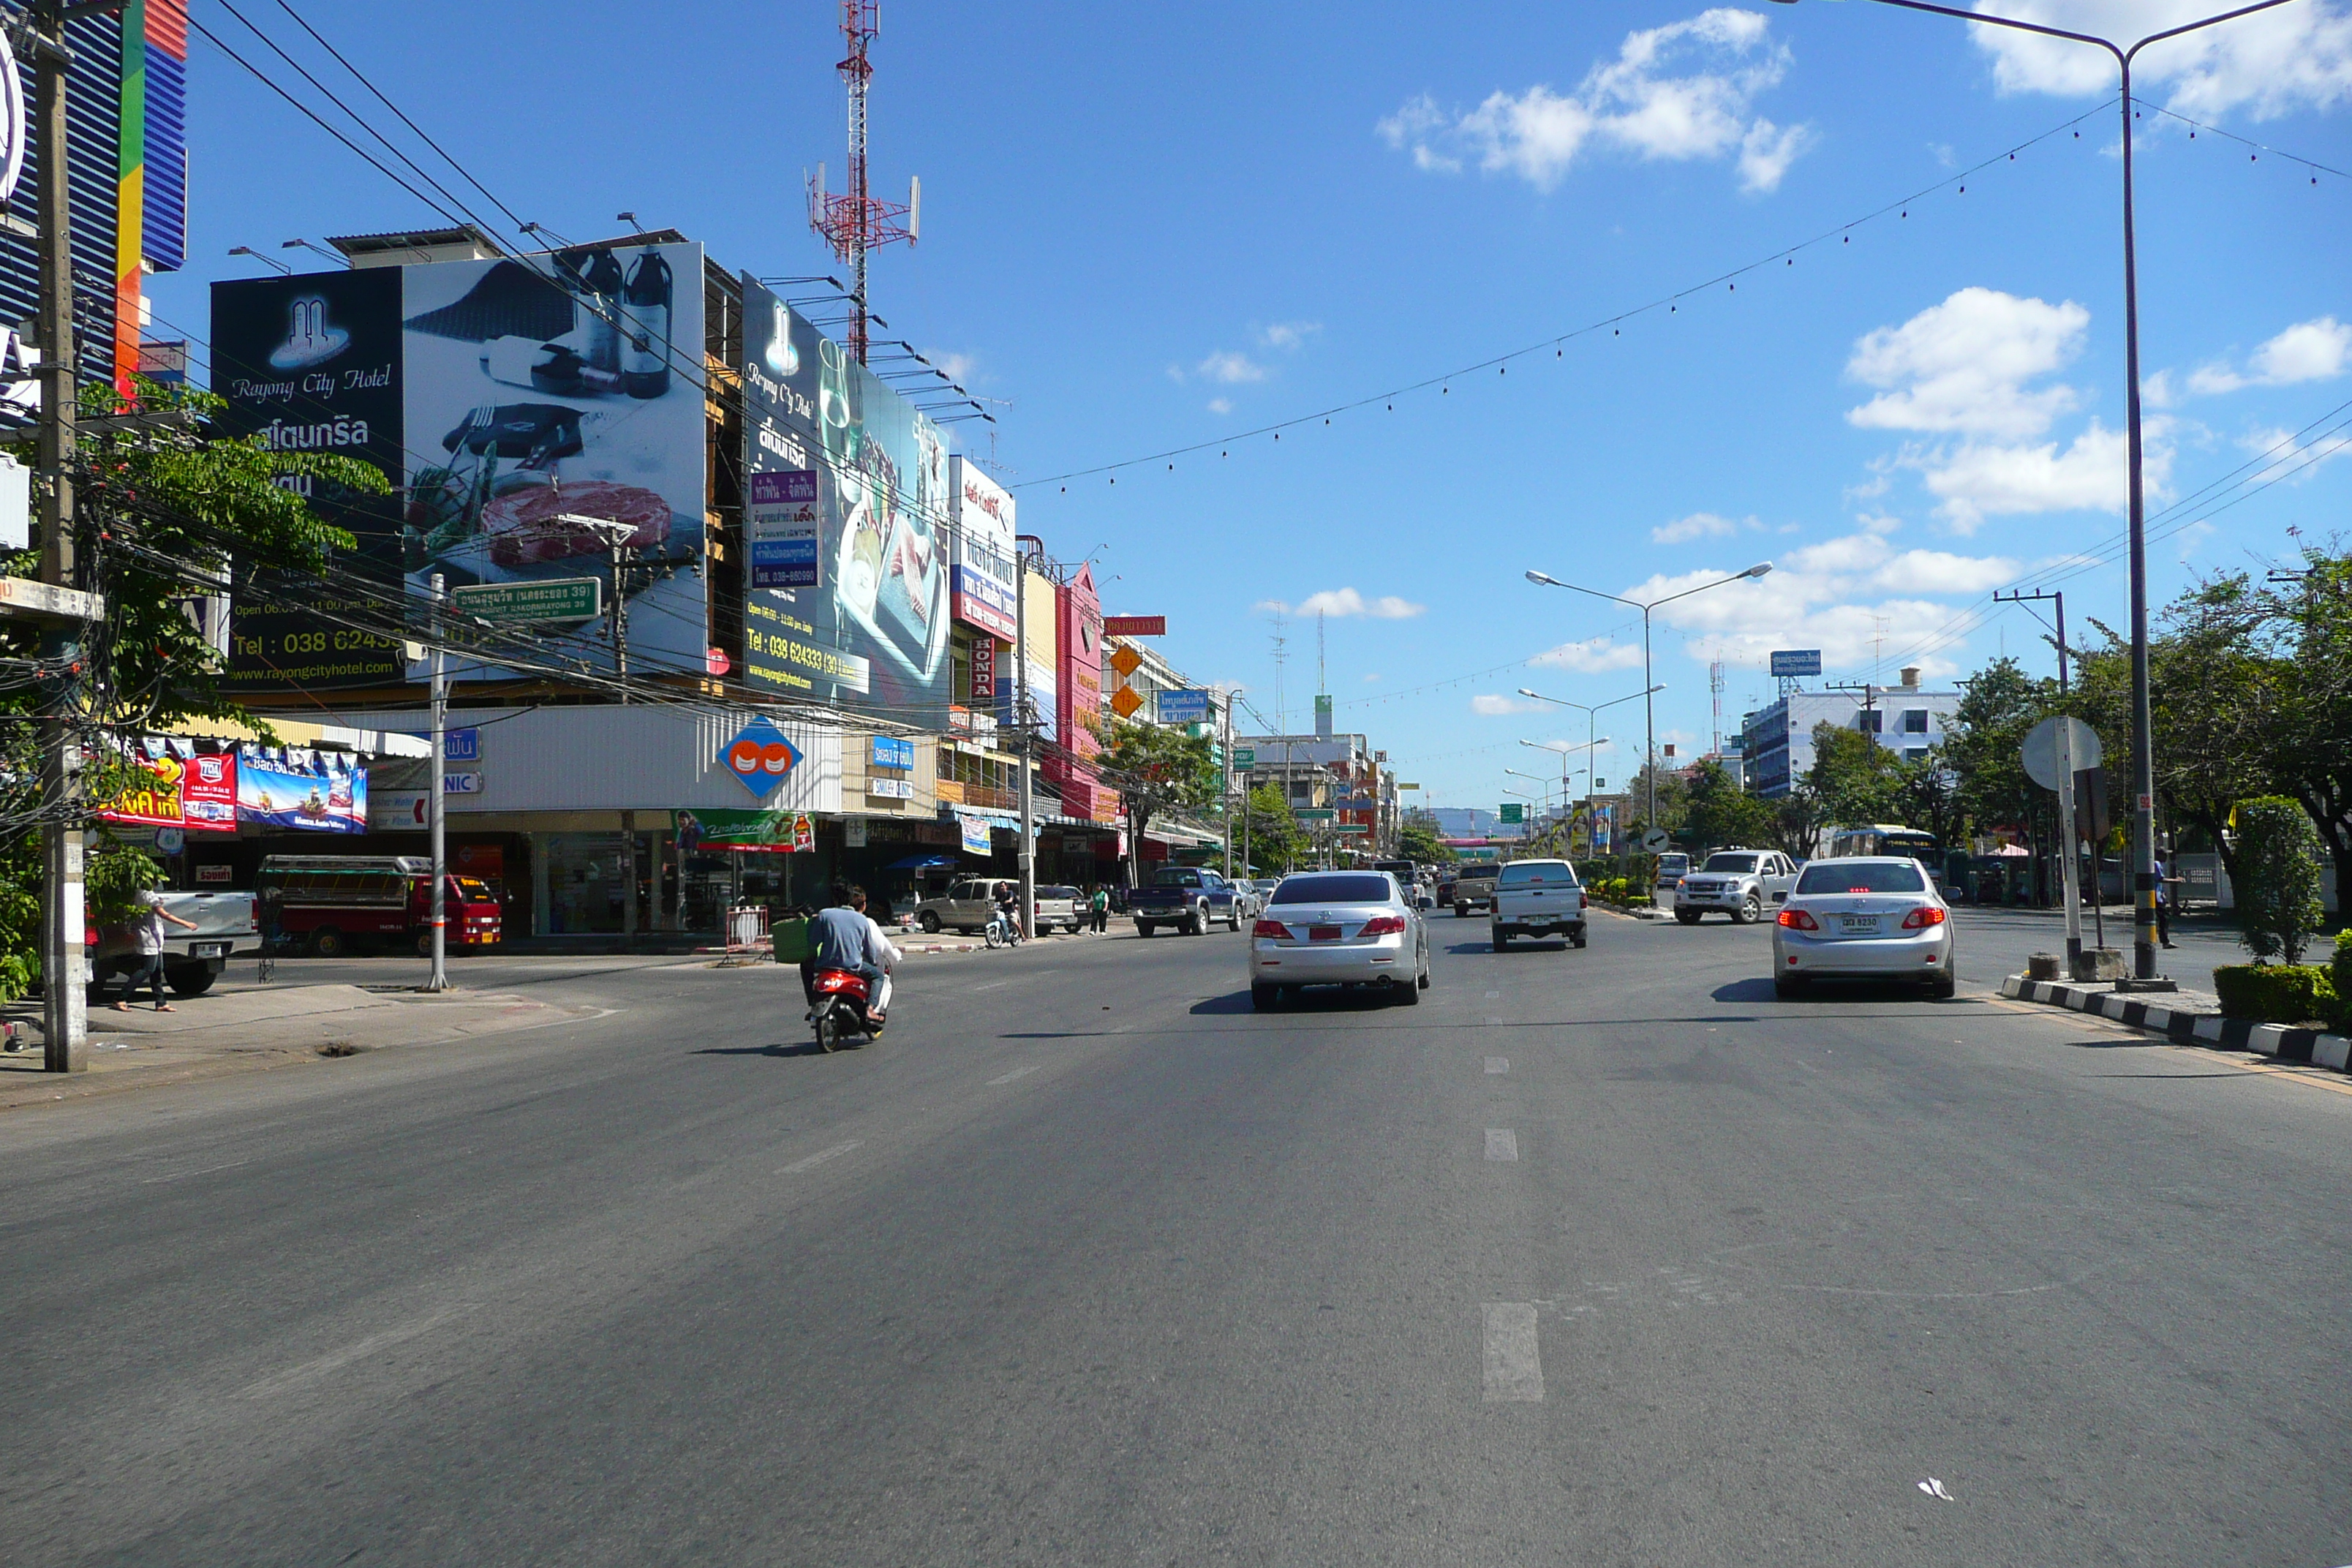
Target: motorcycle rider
x,y
841,936
1008,908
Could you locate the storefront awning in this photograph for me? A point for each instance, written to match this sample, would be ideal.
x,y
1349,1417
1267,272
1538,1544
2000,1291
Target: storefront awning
x,y
923,863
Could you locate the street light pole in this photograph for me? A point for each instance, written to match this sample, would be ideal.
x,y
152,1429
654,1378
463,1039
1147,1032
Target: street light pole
x,y
2143,743
1592,728
1650,707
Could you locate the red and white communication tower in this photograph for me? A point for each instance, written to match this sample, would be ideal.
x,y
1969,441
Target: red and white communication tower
x,y
855,221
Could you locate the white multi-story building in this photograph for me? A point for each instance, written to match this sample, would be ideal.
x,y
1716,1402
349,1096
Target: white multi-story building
x,y
1778,740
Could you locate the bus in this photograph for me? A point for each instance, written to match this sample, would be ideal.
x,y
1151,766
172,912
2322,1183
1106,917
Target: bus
x,y
1889,838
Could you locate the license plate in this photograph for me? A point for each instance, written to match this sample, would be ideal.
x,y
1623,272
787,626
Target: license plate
x,y
1322,933
208,950
1858,924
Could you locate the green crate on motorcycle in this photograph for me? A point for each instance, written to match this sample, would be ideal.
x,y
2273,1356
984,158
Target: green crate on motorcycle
x,y
791,938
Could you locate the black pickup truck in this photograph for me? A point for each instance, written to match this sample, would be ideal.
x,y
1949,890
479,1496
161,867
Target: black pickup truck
x,y
1186,898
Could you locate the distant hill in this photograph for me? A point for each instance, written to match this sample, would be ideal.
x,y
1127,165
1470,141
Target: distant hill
x,y
1462,822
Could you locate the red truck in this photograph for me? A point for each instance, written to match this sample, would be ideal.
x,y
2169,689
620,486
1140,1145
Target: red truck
x,y
326,905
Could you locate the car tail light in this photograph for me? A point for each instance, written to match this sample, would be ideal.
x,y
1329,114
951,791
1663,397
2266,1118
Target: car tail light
x,y
1274,928
1383,925
1923,916
1797,919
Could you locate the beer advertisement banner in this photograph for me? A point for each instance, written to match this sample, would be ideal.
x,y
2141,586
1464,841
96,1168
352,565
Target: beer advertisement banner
x,y
312,363
552,404
292,786
872,631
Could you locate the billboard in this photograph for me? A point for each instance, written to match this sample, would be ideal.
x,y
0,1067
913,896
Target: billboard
x,y
546,395
290,786
872,630
1039,663
1079,622
1797,661
982,588
780,529
312,363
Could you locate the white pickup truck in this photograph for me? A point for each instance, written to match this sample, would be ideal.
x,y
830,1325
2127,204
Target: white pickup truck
x,y
1539,897
193,960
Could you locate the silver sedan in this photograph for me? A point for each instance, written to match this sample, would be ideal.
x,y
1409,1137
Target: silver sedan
x,y
1338,928
1863,918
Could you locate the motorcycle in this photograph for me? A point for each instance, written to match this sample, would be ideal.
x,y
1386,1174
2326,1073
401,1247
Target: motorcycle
x,y
1001,932
842,1018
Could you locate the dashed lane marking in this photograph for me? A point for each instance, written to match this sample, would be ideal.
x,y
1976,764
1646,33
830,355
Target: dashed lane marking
x,y
1016,1072
812,1161
1498,1064
1502,1143
1513,1367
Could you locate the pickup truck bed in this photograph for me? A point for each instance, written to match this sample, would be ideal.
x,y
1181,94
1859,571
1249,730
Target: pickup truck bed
x,y
193,960
1539,899
1191,901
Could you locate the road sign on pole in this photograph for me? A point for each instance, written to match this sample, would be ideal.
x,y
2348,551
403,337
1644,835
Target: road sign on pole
x,y
1314,814
1655,840
1512,811
2053,750
553,600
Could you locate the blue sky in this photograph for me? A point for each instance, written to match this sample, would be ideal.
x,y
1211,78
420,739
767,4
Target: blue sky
x,y
1148,227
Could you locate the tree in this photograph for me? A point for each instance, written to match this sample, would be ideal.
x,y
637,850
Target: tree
x,y
1276,842
1417,839
1718,812
1984,750
2278,878
164,513
1155,768
1854,777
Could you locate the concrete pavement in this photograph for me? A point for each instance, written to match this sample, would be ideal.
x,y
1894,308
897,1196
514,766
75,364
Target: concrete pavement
x,y
1598,1257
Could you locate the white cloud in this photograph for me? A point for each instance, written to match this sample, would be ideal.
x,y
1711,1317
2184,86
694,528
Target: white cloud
x,y
1494,707
1940,572
2192,537
1338,604
1635,103
1231,368
2286,457
1964,365
1220,405
1590,656
2271,64
1289,334
958,366
2317,350
1980,481
1697,525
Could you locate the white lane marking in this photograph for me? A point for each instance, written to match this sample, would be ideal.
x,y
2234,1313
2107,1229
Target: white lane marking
x,y
1016,1072
1492,995
820,1157
1498,1064
1502,1143
1935,1488
184,1176
991,986
1494,1020
1513,1368
294,1377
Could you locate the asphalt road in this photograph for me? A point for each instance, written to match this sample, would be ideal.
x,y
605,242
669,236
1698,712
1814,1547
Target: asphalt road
x,y
1595,1258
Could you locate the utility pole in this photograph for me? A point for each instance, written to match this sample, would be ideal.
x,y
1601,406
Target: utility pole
x,y
1025,852
1225,788
65,1009
434,809
2037,596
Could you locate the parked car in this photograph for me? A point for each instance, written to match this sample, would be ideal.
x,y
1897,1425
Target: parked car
x,y
326,905
1863,918
193,960
968,905
1539,897
1338,928
1189,897
1058,907
1741,883
1474,887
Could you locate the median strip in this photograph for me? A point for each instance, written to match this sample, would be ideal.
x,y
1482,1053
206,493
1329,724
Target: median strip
x,y
2185,1022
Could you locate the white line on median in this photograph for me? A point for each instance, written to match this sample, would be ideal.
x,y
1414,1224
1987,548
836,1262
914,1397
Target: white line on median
x,y
1016,1072
1513,1368
820,1157
1498,1064
1502,1143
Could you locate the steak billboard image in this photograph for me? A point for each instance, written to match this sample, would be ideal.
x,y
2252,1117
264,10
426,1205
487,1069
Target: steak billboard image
x,y
872,631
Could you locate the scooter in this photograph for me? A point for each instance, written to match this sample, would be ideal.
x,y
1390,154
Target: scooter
x,y
1001,932
841,1016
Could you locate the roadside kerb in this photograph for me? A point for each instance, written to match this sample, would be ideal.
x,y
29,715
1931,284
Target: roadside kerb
x,y
2190,1024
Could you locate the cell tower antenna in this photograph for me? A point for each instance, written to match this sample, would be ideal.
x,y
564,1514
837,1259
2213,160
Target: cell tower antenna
x,y
855,221
1281,658
1714,685
1322,682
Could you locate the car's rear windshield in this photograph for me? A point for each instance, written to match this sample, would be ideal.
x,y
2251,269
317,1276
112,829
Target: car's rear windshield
x,y
1057,892
1730,863
1344,888
1538,874
1476,873
1861,876
1674,862
1176,878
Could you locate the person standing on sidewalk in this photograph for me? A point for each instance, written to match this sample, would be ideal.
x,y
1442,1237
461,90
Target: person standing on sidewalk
x,y
149,928
2163,902
1099,908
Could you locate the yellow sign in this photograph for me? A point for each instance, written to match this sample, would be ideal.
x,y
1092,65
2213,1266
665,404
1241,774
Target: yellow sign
x,y
1127,662
1124,702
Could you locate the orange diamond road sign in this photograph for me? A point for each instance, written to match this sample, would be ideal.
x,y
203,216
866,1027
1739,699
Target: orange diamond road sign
x,y
1127,662
1124,702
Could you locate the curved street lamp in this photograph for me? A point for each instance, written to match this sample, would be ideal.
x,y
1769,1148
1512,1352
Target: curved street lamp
x,y
1650,709
2143,745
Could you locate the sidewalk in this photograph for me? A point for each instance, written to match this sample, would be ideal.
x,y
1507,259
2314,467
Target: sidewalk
x,y
253,1028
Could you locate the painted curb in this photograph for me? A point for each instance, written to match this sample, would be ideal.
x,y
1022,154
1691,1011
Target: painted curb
x,y
2188,1029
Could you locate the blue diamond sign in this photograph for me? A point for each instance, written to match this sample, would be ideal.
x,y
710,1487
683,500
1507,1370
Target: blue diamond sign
x,y
761,755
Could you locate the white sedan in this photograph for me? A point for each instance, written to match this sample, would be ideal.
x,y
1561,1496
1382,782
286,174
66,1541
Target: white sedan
x,y
1338,928
1863,918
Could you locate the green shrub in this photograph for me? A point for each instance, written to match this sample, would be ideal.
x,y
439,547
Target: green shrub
x,y
2276,993
2277,879
2340,973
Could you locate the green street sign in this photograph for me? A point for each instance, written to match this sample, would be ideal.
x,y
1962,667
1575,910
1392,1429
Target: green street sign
x,y
520,604
1511,811
1244,756
1314,814
1351,828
